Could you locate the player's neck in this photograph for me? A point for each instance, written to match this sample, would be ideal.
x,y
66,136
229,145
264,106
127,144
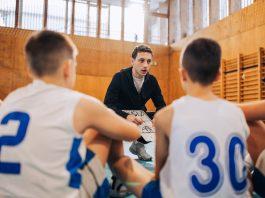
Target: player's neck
x,y
54,80
199,91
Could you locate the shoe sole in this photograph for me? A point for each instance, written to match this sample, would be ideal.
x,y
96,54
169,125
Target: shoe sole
x,y
146,160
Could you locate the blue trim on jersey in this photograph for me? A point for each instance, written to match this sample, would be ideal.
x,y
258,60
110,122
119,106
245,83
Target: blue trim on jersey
x,y
238,177
89,156
13,140
152,190
103,190
205,186
76,163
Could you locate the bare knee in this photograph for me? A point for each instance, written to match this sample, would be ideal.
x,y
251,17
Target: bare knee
x,y
98,143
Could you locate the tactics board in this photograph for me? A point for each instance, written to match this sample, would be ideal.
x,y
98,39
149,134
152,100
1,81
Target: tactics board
x,y
147,128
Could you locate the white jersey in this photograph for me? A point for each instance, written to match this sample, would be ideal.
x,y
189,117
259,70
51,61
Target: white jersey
x,y
40,152
207,147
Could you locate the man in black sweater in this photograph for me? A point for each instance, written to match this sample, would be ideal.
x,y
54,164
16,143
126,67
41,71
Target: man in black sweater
x,y
131,88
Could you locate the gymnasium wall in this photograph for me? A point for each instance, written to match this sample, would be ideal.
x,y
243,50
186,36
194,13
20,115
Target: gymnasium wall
x,y
241,33
98,61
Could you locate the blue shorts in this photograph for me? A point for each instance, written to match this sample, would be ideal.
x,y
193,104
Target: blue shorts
x,y
152,190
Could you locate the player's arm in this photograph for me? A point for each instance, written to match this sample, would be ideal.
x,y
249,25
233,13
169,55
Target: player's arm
x,y
254,110
162,123
93,114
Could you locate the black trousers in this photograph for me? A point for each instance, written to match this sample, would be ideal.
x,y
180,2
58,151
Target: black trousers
x,y
258,180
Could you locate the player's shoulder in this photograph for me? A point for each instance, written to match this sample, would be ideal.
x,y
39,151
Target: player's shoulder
x,y
90,99
177,104
87,102
164,111
163,118
230,107
17,93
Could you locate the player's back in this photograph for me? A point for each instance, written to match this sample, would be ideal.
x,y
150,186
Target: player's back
x,y
206,150
40,152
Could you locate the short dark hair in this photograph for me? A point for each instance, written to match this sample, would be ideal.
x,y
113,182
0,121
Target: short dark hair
x,y
46,51
141,48
201,59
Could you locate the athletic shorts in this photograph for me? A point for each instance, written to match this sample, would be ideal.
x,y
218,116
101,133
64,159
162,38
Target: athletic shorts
x,y
152,190
94,181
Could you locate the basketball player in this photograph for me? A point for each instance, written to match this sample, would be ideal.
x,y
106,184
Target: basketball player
x,y
42,149
255,112
200,143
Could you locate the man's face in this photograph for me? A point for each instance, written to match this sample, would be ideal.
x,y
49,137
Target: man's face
x,y
141,64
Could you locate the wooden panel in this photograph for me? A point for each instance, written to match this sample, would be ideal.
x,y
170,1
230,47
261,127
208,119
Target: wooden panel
x,y
92,85
174,85
230,65
230,69
6,56
163,85
241,32
5,81
217,88
98,60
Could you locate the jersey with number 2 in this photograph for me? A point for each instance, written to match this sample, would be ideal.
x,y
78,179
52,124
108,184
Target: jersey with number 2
x,y
40,151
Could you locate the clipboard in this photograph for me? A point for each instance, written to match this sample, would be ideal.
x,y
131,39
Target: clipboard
x,y
147,128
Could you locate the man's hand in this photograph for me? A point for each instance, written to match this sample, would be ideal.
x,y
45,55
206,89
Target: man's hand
x,y
135,119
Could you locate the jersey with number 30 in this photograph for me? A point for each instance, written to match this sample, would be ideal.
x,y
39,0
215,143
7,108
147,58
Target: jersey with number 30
x,y
206,151
40,152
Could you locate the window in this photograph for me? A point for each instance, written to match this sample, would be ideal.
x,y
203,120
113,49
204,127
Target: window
x,y
134,21
59,15
7,13
86,13
111,20
31,16
105,17
224,8
205,13
81,23
159,6
245,3
115,22
143,19
190,17
159,27
158,22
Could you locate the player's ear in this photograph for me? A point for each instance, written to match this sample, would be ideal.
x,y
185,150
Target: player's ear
x,y
218,76
183,74
30,73
66,69
132,61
